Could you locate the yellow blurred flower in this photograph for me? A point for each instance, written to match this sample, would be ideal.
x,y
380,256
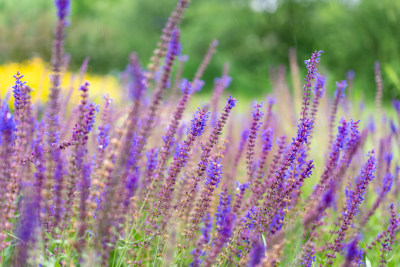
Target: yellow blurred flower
x,y
36,75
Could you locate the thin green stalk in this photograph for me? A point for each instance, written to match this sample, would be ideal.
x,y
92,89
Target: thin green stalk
x,y
155,258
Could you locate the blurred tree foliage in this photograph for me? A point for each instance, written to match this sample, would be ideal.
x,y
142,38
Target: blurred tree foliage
x,y
253,36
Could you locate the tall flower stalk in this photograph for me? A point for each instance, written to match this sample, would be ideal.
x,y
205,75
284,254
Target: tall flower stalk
x,y
206,153
162,205
213,179
254,127
354,199
339,94
169,138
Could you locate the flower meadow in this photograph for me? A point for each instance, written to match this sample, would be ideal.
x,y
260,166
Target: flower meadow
x,y
155,181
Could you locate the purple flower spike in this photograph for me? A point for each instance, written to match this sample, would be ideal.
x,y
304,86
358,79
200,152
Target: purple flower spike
x,y
239,197
259,188
315,58
386,238
214,174
169,138
254,126
392,127
224,207
379,87
206,150
198,123
257,253
203,240
339,94
341,86
18,92
151,159
396,104
186,87
198,85
162,205
239,153
251,217
303,130
312,71
243,140
222,238
319,87
387,183
224,81
174,45
7,121
231,102
308,257
137,86
354,254
28,222
382,192
356,196
212,181
63,7
317,214
271,101
331,163
354,199
350,75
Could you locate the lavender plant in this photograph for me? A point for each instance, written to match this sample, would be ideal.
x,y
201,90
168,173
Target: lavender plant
x,y
145,185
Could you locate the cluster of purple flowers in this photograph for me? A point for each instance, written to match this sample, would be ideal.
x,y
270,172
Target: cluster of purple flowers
x,y
123,191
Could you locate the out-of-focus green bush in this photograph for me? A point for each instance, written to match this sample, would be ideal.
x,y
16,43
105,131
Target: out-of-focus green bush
x,y
253,35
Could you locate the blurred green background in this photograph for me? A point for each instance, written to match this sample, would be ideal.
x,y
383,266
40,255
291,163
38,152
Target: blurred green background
x,y
253,36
